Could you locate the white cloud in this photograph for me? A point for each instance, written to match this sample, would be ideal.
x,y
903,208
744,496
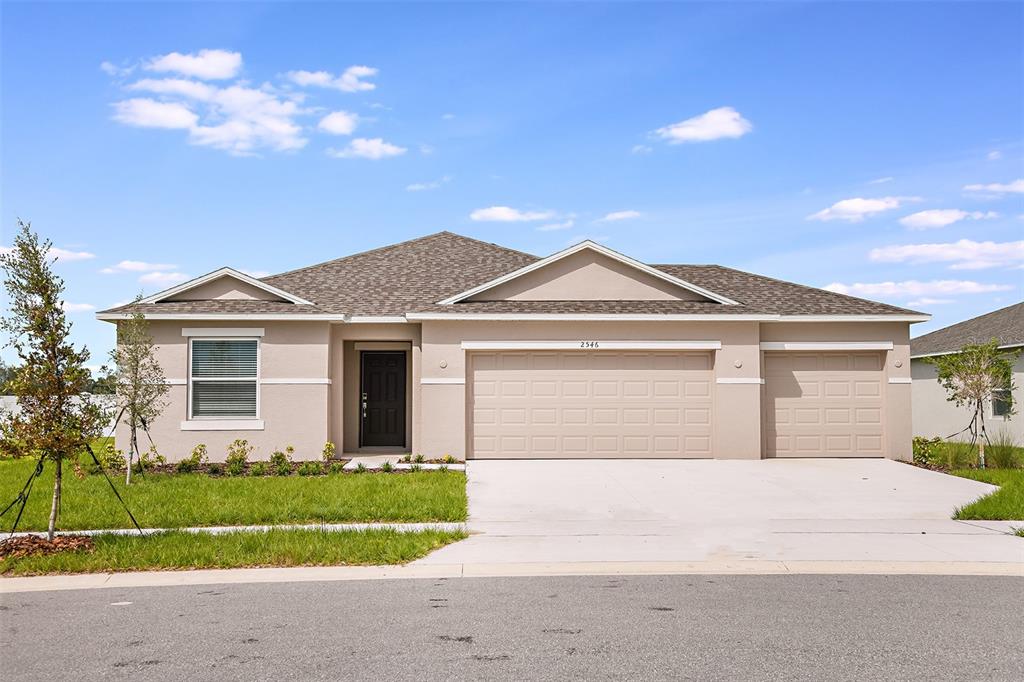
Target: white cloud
x,y
136,266
67,255
1014,187
506,214
163,278
447,117
351,80
149,113
77,307
641,149
551,227
237,119
724,122
363,148
930,301
112,69
961,255
914,288
941,217
339,123
994,155
616,216
881,181
424,186
857,209
205,64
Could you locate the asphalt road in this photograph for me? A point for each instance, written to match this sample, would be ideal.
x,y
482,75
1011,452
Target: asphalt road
x,y
682,627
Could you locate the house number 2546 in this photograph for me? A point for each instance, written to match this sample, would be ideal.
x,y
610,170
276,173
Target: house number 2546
x,y
589,344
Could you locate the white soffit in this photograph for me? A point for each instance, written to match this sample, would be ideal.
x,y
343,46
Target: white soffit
x,y
594,344
826,345
217,274
603,250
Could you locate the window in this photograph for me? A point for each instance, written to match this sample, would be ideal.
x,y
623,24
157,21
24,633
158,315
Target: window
x,y
1001,400
224,378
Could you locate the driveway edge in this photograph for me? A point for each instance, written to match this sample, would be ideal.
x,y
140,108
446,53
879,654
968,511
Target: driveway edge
x,y
434,571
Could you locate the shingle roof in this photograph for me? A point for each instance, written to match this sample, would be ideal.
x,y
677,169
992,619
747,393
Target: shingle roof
x,y
412,276
1006,325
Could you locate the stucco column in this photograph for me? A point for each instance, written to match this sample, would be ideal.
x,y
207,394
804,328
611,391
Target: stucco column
x,y
738,389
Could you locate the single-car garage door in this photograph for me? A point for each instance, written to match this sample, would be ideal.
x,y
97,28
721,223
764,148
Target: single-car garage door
x,y
542,404
823,404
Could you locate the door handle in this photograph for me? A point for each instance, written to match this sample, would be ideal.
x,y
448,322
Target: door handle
x,y
364,406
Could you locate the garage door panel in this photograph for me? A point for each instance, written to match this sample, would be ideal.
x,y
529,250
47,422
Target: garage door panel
x,y
602,403
836,409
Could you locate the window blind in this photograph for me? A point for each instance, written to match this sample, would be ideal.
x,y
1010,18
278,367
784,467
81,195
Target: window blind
x,y
223,378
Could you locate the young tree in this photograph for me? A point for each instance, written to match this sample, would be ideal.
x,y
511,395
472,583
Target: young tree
x,y
972,377
139,380
56,420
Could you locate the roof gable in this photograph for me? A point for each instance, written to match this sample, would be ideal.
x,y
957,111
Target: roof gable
x,y
225,284
587,271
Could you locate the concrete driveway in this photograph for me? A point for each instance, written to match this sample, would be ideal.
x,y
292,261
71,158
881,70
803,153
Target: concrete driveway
x,y
719,510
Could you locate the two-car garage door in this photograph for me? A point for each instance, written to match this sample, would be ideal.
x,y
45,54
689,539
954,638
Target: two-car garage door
x,y
548,404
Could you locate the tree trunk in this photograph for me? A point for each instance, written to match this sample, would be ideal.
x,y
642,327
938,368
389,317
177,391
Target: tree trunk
x,y
984,437
55,506
132,447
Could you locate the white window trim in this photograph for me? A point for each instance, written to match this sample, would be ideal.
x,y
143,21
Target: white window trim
x,y
826,345
992,410
222,425
221,331
582,344
258,379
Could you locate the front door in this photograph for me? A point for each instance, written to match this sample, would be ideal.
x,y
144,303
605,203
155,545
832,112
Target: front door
x,y
382,392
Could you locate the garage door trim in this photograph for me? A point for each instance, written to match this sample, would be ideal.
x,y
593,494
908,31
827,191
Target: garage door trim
x,y
591,345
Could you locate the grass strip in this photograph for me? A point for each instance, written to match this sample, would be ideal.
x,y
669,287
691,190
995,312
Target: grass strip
x,y
181,500
1005,504
178,550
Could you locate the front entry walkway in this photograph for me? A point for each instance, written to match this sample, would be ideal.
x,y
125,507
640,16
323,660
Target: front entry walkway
x,y
554,511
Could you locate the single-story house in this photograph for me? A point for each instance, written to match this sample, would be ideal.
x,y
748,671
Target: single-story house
x,y
450,345
934,416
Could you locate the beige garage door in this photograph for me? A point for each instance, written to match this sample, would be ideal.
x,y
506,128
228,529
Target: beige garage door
x,y
590,404
823,404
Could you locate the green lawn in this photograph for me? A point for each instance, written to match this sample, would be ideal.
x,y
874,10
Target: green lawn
x,y
177,550
179,500
1006,504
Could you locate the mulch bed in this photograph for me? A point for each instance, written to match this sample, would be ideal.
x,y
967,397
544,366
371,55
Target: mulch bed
x,y
30,545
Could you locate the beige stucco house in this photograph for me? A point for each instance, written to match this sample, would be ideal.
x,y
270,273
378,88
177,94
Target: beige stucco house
x,y
934,415
449,345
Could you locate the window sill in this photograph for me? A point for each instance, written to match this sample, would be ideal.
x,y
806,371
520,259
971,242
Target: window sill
x,y
222,425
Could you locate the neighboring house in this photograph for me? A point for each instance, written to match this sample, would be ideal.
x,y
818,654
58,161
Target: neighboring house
x,y
9,405
449,345
936,416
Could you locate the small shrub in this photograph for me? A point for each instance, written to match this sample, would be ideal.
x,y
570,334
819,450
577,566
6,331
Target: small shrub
x,y
925,449
328,452
310,469
448,459
148,460
238,456
215,469
191,463
1003,452
280,463
405,458
419,459
386,467
955,454
416,467
443,468
360,468
111,458
336,468
259,469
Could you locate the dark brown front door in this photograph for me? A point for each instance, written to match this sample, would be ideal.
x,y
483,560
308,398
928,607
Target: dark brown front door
x,y
383,398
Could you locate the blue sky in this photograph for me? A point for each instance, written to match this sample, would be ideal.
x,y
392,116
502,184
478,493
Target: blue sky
x,y
876,148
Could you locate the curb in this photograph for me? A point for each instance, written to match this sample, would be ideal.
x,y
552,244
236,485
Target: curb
x,y
428,571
